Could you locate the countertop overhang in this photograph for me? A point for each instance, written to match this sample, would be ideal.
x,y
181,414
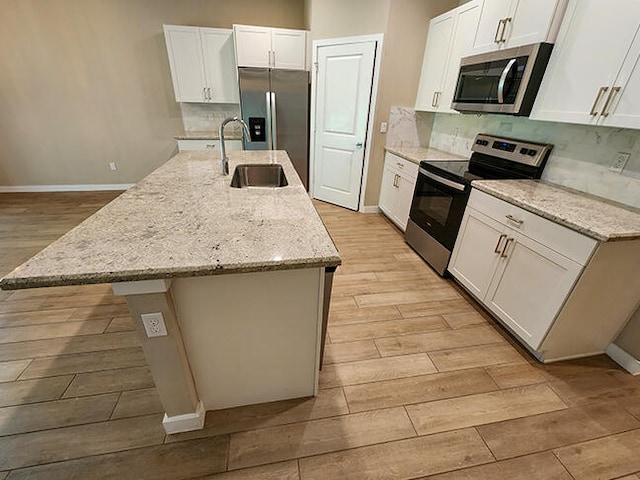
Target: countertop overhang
x,y
184,220
593,216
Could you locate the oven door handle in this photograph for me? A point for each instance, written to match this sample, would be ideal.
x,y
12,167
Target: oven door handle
x,y
444,181
503,78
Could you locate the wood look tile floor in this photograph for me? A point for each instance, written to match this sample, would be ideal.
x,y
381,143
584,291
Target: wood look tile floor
x,y
418,382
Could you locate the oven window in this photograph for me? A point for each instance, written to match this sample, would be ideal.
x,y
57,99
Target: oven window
x,y
436,205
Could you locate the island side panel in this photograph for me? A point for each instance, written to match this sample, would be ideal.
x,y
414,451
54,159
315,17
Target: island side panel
x,y
252,337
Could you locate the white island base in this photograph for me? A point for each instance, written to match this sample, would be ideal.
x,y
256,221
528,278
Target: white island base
x,y
232,340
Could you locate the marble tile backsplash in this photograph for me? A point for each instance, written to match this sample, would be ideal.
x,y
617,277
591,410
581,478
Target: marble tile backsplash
x,y
408,128
207,117
580,158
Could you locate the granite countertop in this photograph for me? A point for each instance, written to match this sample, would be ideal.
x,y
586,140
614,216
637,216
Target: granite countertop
x,y
593,216
208,135
417,154
185,220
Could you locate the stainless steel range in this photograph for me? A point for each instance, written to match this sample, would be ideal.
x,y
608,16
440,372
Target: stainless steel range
x,y
443,188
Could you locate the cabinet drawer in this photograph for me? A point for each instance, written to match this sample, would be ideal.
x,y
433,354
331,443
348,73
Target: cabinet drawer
x,y
567,242
401,165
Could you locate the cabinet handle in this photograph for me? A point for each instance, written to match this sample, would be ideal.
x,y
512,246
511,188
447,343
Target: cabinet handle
x,y
209,93
497,249
612,93
593,111
204,93
497,37
504,29
396,181
400,164
210,145
433,100
506,245
274,58
514,219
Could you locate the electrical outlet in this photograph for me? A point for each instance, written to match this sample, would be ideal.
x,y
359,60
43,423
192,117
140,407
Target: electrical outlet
x,y
383,127
619,161
154,324
113,166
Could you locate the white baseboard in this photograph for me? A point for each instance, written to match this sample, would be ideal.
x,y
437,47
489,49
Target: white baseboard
x,y
185,423
624,359
370,209
66,188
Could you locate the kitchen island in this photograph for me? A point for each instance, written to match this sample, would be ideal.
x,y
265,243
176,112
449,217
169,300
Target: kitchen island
x,y
238,276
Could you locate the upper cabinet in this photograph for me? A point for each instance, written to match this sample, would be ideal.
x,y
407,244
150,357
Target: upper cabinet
x,y
271,47
511,23
449,39
202,61
593,75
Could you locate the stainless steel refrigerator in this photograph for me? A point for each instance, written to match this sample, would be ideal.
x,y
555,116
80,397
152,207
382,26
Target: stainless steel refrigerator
x,y
275,106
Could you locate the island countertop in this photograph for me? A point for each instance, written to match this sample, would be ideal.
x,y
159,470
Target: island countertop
x,y
184,220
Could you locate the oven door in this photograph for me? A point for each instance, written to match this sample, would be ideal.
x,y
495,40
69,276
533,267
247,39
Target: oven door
x,y
438,204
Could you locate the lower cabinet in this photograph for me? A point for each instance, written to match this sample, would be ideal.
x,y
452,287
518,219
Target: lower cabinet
x,y
185,145
396,191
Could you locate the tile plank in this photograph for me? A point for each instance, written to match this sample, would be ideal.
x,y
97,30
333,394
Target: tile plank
x,y
444,292
85,362
275,471
521,436
355,314
608,457
53,330
374,370
37,317
134,403
438,307
405,459
349,352
483,408
314,437
465,319
418,389
515,375
17,451
388,328
56,414
541,466
180,461
469,357
120,324
31,391
11,370
106,381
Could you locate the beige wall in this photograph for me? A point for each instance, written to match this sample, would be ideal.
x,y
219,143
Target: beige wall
x,y
629,339
404,24
85,83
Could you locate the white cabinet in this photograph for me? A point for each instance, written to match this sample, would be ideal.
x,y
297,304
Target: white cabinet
x,y
202,62
396,191
449,39
593,75
185,145
512,23
270,47
520,266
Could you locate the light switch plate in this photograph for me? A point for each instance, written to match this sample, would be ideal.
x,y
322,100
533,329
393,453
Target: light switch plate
x,y
383,127
154,324
619,162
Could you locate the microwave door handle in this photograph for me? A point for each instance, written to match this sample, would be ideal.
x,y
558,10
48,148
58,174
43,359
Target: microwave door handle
x,y
503,78
444,181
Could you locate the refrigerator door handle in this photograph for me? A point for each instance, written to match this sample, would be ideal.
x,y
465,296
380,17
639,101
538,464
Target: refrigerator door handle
x,y
274,116
269,127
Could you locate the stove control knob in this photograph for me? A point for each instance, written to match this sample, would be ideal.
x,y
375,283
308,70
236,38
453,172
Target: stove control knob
x,y
524,151
532,153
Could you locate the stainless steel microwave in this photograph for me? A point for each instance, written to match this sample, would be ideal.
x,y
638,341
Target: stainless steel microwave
x,y
505,81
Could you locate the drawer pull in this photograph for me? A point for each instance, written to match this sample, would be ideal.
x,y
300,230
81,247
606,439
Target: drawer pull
x,y
399,164
506,246
497,249
514,220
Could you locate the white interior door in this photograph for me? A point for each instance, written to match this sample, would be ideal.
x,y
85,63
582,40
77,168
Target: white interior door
x,y
343,93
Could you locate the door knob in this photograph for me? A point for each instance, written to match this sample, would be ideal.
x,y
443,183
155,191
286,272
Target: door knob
x,y
359,145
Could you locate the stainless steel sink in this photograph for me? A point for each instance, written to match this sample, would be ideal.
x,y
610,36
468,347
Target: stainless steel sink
x,y
259,175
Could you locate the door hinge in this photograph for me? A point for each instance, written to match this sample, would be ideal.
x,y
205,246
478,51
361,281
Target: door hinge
x,y
316,66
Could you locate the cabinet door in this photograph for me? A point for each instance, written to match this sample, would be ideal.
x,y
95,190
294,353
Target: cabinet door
x,y
388,192
592,45
289,49
186,63
530,287
220,65
253,46
624,109
490,28
406,186
476,253
465,30
434,64
531,22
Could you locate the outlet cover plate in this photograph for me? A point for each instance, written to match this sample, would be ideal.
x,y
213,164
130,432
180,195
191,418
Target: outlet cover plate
x,y
619,162
154,324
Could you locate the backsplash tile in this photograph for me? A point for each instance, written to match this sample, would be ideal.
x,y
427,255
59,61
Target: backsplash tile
x,y
580,158
207,117
408,128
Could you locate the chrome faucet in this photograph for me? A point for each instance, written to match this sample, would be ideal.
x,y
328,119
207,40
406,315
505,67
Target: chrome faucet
x,y
223,152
